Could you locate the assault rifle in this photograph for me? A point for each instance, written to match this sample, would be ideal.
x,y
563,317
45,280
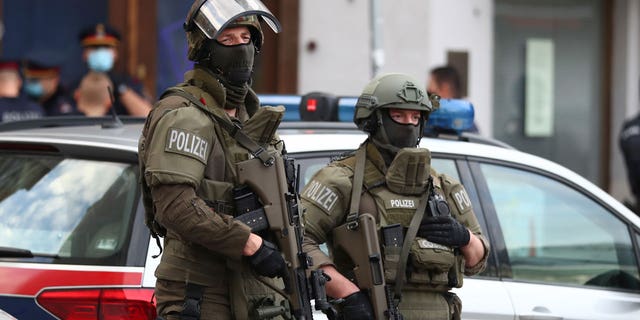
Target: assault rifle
x,y
274,208
359,240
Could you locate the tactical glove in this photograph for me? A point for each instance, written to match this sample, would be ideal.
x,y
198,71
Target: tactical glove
x,y
357,306
267,261
444,230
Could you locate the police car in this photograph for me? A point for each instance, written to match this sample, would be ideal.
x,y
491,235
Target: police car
x,y
73,243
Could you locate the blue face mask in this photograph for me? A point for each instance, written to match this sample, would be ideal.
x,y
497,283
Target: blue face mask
x,y
33,89
100,60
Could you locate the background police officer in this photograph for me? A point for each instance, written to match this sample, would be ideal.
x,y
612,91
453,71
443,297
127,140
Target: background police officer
x,y
187,158
43,85
630,146
100,44
396,178
13,105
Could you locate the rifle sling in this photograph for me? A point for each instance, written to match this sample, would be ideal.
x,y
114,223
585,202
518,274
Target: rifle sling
x,y
414,225
235,130
356,191
352,219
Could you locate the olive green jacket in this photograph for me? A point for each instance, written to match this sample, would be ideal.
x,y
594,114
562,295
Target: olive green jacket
x,y
187,158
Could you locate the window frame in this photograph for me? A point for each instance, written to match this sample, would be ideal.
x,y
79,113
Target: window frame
x,y
495,232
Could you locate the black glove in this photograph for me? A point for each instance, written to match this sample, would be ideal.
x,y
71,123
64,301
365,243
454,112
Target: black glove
x,y
357,306
267,261
444,230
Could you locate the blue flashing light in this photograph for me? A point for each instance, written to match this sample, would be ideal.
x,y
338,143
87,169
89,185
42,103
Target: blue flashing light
x,y
346,109
290,103
454,115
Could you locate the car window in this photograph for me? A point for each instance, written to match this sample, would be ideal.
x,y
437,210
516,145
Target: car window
x,y
66,208
555,234
446,166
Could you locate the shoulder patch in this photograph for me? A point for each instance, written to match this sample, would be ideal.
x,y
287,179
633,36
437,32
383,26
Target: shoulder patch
x,y
187,143
321,195
461,198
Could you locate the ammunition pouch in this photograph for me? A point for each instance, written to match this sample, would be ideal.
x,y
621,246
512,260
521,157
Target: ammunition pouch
x,y
455,305
392,238
431,256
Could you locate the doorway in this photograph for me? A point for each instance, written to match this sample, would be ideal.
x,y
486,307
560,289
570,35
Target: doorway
x,y
550,71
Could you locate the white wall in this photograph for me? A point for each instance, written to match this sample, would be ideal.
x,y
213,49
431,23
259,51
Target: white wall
x,y
416,35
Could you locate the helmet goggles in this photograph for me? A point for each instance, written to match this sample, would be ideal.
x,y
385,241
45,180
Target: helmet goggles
x,y
216,15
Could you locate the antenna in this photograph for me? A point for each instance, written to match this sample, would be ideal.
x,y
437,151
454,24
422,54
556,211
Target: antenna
x,y
116,120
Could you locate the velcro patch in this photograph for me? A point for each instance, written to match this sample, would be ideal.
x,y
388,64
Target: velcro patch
x,y
187,143
400,204
323,196
461,198
426,244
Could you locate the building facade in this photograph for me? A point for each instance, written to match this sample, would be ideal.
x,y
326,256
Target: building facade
x,y
552,77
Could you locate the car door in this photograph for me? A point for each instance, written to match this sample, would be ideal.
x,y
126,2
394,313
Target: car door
x,y
484,296
565,253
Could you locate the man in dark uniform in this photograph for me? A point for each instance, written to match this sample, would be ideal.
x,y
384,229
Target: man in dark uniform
x,y
188,161
13,105
630,146
100,52
42,84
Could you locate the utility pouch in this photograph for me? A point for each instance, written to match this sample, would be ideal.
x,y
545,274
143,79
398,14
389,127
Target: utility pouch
x,y
392,239
261,127
431,262
456,273
455,305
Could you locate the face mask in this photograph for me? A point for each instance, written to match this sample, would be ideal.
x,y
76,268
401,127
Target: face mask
x,y
233,63
100,60
34,89
400,135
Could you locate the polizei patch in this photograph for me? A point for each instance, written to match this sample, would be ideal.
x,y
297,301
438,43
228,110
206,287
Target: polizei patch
x,y
187,143
324,197
461,198
401,203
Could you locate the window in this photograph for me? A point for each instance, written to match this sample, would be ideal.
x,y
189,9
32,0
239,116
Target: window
x,y
446,166
555,234
64,208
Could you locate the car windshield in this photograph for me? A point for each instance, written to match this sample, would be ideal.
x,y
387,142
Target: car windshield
x,y
65,208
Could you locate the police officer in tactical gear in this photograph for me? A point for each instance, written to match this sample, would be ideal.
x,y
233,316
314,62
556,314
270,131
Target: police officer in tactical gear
x,y
629,140
443,240
187,157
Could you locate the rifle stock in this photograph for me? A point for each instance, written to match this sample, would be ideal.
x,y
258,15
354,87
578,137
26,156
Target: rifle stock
x,y
360,242
280,203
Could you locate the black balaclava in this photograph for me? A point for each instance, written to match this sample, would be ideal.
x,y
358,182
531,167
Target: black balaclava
x,y
392,136
233,66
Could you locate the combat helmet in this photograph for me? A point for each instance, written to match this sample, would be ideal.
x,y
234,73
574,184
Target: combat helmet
x,y
207,18
386,91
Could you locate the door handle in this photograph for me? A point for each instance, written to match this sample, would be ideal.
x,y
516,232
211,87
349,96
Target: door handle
x,y
540,313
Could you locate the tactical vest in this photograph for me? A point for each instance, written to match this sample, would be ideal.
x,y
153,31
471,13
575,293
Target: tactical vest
x,y
395,197
216,188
